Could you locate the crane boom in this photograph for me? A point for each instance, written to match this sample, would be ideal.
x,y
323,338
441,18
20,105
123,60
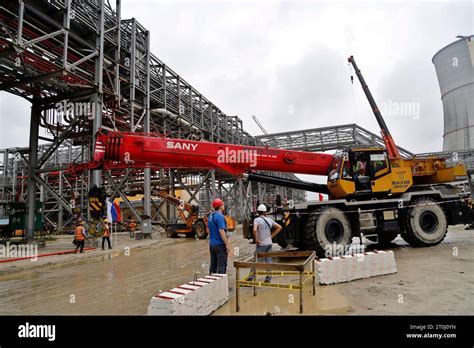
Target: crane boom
x,y
152,150
392,149
259,124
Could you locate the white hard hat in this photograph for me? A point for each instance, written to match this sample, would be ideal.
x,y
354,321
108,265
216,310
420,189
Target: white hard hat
x,y
262,207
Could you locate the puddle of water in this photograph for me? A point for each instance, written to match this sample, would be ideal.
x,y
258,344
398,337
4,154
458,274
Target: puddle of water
x,y
114,283
328,300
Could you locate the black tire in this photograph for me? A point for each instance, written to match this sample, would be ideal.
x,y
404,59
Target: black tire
x,y
327,226
170,232
282,243
282,238
199,229
426,223
384,238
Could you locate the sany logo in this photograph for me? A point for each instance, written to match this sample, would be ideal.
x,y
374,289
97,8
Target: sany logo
x,y
181,146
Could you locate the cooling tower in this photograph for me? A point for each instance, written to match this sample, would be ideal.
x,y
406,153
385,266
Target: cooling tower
x,y
454,66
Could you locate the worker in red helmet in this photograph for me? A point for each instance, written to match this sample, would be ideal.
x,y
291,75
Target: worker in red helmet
x,y
219,244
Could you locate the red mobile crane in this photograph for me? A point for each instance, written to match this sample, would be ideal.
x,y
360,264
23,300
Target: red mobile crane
x,y
372,190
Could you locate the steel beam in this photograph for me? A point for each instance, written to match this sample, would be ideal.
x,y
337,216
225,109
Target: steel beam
x,y
146,228
32,159
98,96
30,79
53,193
124,197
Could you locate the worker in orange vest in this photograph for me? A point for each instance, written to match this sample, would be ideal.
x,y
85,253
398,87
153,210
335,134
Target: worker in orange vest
x,y
133,226
80,235
106,235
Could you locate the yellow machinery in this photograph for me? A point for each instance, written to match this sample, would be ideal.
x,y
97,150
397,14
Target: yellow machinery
x,y
192,224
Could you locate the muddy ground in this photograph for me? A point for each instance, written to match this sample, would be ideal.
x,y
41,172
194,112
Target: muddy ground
x,y
436,280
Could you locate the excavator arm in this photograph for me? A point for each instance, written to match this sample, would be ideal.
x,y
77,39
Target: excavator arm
x,y
176,201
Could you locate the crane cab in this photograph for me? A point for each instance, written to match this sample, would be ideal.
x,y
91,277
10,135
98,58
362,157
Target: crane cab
x,y
366,171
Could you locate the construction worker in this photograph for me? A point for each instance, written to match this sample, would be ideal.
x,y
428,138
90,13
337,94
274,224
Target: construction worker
x,y
133,226
289,228
262,233
80,236
360,167
219,244
106,235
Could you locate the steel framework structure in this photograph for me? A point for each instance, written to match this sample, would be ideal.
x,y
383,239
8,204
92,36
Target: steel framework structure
x,y
83,67
326,138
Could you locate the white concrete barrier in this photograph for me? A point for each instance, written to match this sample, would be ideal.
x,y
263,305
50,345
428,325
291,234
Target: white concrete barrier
x,y
200,297
350,267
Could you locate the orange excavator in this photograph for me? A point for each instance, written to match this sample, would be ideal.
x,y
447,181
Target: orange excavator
x,y
190,222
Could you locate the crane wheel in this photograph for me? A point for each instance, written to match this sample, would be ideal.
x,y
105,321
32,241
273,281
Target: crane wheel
x,y
426,223
328,231
170,232
200,230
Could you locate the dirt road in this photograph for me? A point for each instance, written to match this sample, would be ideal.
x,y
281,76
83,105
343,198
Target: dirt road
x,y
437,280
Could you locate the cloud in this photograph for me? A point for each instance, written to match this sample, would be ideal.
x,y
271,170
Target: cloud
x,y
286,61
14,121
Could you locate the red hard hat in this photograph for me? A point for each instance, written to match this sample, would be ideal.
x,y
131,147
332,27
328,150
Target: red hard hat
x,y
217,203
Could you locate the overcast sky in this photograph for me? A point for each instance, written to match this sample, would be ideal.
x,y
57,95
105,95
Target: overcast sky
x,y
286,62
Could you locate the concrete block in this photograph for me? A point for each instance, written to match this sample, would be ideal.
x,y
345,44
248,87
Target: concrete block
x,y
200,297
351,267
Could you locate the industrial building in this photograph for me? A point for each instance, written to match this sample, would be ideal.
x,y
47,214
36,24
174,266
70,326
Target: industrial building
x,y
102,63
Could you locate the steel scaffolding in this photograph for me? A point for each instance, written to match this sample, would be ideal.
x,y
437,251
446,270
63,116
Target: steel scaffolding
x,y
83,67
326,138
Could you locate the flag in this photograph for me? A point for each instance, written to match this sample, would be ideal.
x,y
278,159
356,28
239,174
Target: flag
x,y
110,219
113,212
118,214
